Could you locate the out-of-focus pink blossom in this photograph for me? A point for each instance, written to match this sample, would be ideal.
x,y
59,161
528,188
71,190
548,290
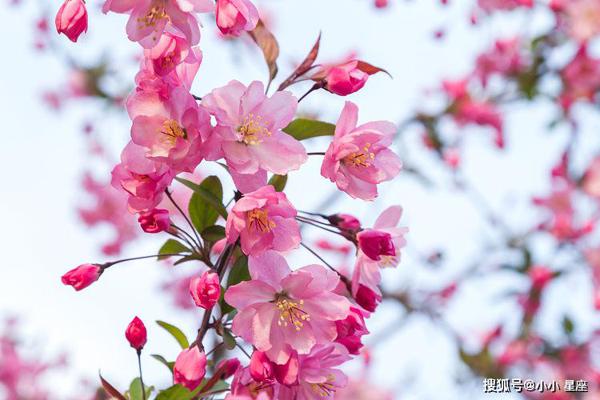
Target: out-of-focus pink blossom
x,y
580,18
236,16
358,159
189,368
540,276
263,220
72,19
503,5
504,59
581,78
280,311
82,276
205,290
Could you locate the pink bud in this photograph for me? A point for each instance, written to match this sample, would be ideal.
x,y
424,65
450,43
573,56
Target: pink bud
x,y
346,78
228,367
189,368
72,19
261,368
205,290
376,244
381,3
82,276
236,16
154,221
347,222
136,334
367,298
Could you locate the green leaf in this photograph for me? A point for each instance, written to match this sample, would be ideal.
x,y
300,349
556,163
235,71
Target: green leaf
x,y
213,233
185,259
110,389
303,128
135,390
228,339
211,191
176,333
239,272
176,392
568,325
278,182
172,246
225,307
201,209
163,361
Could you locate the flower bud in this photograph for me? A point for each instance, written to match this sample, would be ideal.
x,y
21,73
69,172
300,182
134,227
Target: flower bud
x,y
82,276
376,244
136,334
235,16
72,19
154,221
351,329
346,222
367,298
189,368
205,290
228,367
345,79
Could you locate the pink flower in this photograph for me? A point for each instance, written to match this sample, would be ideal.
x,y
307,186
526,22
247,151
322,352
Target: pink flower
x,y
540,276
228,367
173,134
375,244
236,16
581,77
170,51
280,311
189,368
143,179
359,158
505,5
503,58
82,276
155,221
205,290
346,222
346,78
267,372
351,329
136,334
367,298
591,179
150,18
318,377
581,19
249,129
263,220
72,19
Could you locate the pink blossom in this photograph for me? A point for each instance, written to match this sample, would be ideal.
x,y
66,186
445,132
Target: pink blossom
x,y
503,58
136,334
155,220
581,77
249,129
375,244
189,368
82,276
150,18
591,179
280,311
581,18
267,372
540,276
318,377
359,158
228,367
367,298
263,220
345,222
504,5
170,51
346,78
351,329
143,179
72,19
205,290
236,16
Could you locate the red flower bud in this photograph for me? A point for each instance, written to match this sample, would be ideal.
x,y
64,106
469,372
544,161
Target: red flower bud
x,y
206,290
228,367
376,244
82,276
367,298
72,19
346,78
136,334
189,368
154,221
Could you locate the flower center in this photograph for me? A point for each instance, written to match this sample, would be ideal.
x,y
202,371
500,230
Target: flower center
x,y
153,16
172,131
388,261
259,220
253,129
291,312
324,389
362,158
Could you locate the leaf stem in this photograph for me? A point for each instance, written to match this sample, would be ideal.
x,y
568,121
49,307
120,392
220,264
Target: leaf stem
x,y
184,216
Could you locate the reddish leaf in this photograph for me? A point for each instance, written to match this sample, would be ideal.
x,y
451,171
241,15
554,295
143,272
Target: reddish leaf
x,y
304,66
269,46
371,69
111,390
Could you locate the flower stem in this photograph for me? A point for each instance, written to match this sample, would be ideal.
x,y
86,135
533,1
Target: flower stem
x,y
139,355
185,217
111,263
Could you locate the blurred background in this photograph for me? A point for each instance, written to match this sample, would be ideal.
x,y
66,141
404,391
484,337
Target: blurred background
x,y
464,208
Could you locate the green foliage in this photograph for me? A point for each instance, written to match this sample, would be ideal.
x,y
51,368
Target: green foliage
x,y
175,392
205,203
303,128
162,360
176,333
278,182
213,233
172,246
211,191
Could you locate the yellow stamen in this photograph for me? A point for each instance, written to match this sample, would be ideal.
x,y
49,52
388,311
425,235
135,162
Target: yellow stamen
x,y
291,312
172,130
259,220
254,129
324,389
362,158
153,16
